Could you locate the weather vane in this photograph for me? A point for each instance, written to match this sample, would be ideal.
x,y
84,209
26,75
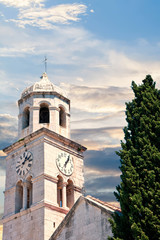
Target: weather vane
x,y
45,63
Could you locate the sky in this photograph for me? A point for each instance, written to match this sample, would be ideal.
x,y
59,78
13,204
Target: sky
x,y
95,48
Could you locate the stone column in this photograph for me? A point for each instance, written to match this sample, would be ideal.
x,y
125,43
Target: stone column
x,y
54,119
24,195
34,118
64,202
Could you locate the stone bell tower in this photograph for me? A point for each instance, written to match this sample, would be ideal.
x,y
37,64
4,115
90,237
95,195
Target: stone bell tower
x,y
44,105
44,173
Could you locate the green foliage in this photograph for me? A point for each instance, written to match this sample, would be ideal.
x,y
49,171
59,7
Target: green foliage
x,y
139,190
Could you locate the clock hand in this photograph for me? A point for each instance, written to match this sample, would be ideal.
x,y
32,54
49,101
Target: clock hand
x,y
66,161
26,158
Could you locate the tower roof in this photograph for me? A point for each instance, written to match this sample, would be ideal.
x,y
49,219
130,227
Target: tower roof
x,y
44,85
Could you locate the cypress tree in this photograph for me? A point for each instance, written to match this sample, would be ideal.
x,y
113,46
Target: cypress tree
x,y
139,189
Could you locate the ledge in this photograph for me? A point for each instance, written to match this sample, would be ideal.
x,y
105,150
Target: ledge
x,y
44,93
33,207
46,132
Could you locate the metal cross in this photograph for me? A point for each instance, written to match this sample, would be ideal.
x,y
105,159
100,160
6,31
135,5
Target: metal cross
x,y
45,63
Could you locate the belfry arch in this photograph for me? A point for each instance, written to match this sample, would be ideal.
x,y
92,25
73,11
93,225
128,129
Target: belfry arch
x,y
62,117
70,193
26,118
60,191
19,197
44,113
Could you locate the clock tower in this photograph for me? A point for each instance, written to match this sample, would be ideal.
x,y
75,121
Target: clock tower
x,y
44,168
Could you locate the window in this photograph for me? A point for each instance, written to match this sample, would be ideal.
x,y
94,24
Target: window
x,y
62,117
59,191
44,114
25,118
19,197
70,194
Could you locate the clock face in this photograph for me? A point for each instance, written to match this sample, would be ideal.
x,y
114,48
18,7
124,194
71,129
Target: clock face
x,y
64,163
24,163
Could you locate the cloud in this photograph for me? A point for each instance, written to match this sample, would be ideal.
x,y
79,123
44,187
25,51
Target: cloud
x,y
10,52
101,172
96,99
103,160
22,4
2,166
102,184
97,107
98,138
76,53
8,130
94,118
46,18
102,187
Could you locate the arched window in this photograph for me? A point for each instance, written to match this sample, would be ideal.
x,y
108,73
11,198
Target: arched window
x,y
19,197
59,191
44,114
25,118
70,194
62,117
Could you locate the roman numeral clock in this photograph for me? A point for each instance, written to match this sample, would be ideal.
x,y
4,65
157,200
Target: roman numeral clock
x,y
65,163
24,163
44,168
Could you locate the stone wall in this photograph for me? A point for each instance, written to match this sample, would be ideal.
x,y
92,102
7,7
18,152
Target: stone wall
x,y
85,221
25,225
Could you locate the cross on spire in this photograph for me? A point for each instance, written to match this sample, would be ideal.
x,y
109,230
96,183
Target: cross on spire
x,y
45,64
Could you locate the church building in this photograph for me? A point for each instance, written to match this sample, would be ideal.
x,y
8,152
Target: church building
x,y
44,168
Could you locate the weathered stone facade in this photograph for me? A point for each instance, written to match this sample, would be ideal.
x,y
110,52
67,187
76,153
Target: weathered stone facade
x,y
87,220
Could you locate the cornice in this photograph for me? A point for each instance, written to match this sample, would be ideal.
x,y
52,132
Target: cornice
x,y
45,132
38,205
44,176
53,93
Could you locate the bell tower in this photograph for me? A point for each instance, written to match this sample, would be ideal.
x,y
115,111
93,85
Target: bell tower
x,y
44,173
44,105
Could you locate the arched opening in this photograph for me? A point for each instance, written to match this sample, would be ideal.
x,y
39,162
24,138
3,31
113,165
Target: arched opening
x,y
29,192
19,197
59,191
44,113
25,118
70,194
62,117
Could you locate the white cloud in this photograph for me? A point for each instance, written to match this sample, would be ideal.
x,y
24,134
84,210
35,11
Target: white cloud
x,y
98,99
94,173
19,51
80,79
98,138
22,3
8,130
46,18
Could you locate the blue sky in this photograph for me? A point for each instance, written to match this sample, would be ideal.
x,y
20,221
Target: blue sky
x,y
94,50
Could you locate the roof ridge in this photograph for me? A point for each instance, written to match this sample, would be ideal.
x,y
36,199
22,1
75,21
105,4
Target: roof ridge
x,y
104,203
